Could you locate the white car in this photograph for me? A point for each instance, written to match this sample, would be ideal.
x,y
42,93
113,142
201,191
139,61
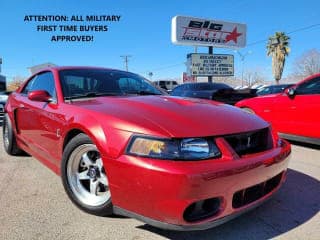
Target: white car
x,y
167,85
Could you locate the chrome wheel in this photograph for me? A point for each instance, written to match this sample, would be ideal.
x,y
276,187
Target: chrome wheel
x,y
87,177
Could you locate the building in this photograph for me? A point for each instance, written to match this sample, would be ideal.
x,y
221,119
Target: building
x,y
36,68
3,83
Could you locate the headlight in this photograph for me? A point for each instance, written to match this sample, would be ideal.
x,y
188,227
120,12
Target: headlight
x,y
179,149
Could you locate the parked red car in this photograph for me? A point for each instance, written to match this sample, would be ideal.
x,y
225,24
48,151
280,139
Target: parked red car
x,y
122,146
295,113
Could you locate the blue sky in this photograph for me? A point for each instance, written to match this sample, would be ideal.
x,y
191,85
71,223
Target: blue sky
x,y
144,33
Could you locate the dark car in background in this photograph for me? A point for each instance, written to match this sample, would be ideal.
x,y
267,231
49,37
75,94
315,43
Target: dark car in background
x,y
220,92
272,89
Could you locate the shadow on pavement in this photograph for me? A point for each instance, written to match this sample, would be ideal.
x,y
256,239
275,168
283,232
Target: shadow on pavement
x,y
295,203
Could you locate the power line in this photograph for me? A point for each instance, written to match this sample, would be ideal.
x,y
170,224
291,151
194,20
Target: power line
x,y
304,28
125,59
166,67
288,33
250,44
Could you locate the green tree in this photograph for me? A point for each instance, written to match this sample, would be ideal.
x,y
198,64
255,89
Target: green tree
x,y
278,49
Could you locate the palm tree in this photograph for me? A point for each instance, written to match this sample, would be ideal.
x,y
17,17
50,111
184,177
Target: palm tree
x,y
278,49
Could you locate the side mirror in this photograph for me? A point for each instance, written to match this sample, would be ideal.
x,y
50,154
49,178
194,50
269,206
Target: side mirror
x,y
290,92
39,96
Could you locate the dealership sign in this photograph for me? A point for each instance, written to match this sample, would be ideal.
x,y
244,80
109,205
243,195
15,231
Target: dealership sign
x,y
204,32
218,65
187,78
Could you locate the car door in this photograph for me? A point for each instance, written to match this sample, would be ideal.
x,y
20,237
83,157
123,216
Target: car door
x,y
281,111
305,107
38,123
25,121
276,109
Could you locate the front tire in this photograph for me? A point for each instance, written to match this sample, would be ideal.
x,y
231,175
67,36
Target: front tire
x,y
84,177
9,139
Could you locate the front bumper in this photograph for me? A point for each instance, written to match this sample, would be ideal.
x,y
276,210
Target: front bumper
x,y
159,192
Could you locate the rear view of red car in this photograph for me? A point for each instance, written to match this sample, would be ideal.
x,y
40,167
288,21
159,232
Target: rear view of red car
x,y
295,113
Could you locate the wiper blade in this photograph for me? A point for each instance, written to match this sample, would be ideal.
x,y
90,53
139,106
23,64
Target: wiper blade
x,y
143,93
93,94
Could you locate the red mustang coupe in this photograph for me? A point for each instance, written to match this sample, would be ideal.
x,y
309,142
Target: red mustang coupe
x,y
122,146
295,114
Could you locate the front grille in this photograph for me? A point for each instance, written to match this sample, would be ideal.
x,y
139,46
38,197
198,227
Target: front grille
x,y
251,194
250,142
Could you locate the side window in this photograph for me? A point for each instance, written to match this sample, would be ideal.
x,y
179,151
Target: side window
x,y
28,87
265,90
177,89
309,87
182,87
188,87
43,81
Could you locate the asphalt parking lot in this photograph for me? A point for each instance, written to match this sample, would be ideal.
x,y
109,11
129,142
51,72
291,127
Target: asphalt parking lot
x,y
33,205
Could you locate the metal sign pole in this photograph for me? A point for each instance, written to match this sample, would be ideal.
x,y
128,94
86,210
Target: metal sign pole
x,y
210,52
195,78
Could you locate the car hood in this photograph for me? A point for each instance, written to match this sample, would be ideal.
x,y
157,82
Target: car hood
x,y
172,116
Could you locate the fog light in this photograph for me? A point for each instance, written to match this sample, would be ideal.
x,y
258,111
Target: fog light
x,y
202,210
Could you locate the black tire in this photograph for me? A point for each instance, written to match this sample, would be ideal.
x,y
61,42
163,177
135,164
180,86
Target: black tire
x,y
9,138
76,187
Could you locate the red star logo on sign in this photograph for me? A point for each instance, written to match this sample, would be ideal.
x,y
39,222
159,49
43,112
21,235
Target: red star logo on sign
x,y
233,36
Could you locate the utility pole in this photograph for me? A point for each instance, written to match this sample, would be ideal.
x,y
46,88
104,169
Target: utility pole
x,y
125,59
242,58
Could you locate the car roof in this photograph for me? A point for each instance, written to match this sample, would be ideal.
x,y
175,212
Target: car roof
x,y
308,78
281,85
60,68
205,83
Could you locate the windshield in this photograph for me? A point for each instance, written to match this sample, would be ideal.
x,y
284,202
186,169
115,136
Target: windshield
x,y
78,83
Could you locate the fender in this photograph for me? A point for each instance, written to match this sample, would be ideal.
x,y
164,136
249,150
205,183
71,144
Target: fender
x,y
98,132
